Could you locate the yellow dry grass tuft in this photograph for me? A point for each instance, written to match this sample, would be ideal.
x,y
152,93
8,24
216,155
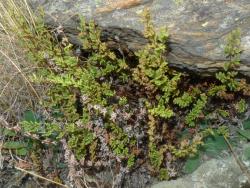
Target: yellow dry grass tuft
x,y
17,92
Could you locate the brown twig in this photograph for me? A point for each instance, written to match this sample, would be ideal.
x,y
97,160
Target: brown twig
x,y
242,166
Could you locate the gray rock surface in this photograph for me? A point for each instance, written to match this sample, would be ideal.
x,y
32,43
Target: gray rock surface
x,y
223,172
197,28
212,174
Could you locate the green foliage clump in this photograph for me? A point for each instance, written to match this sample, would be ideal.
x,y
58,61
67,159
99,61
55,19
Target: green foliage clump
x,y
46,130
187,148
155,156
196,110
216,90
161,110
241,106
78,139
153,72
232,51
74,83
18,147
162,82
163,174
223,113
82,90
183,101
119,141
123,101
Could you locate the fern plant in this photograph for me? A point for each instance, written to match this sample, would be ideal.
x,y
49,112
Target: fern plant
x,y
232,51
120,144
83,91
196,110
153,71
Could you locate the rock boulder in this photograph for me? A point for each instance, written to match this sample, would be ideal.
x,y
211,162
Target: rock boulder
x,y
197,28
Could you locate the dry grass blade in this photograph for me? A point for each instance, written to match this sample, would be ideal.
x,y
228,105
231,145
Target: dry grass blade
x,y
30,13
20,71
18,93
41,177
